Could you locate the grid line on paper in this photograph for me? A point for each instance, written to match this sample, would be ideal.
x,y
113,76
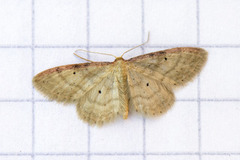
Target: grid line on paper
x,y
199,117
124,46
198,22
88,56
143,51
143,39
115,153
33,72
198,85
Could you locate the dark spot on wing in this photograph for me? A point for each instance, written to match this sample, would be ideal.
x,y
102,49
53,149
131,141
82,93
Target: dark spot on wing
x,y
58,70
162,52
75,66
86,64
151,54
156,53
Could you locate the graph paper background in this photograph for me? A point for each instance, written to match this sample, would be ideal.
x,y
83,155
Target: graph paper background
x,y
204,123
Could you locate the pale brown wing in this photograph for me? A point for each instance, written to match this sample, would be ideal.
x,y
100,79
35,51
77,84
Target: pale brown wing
x,y
148,95
92,86
100,104
152,77
176,66
68,83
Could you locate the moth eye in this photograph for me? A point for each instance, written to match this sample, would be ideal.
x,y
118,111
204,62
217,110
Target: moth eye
x,y
165,58
147,84
74,72
99,91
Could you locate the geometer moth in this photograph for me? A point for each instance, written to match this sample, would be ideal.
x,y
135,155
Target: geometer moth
x,y
103,90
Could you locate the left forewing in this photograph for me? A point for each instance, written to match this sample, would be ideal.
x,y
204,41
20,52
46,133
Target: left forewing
x,y
70,82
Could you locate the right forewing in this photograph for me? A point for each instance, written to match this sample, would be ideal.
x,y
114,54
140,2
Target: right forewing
x,y
175,66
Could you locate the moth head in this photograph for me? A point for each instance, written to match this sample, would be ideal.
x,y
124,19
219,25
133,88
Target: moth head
x,y
119,59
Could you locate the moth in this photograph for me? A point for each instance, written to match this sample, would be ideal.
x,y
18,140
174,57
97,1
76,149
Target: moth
x,y
103,90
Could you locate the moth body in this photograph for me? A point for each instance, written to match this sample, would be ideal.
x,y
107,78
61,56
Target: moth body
x,y
121,80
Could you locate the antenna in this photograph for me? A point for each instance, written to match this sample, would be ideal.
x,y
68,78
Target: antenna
x,y
83,50
137,45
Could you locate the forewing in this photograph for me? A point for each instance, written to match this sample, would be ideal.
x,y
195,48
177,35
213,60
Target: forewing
x,y
175,66
151,77
69,83
147,95
101,103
